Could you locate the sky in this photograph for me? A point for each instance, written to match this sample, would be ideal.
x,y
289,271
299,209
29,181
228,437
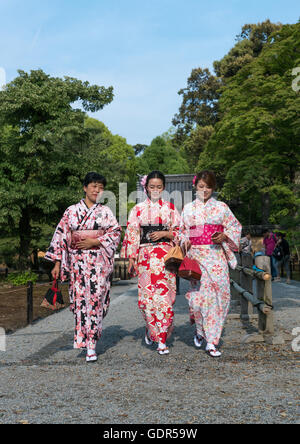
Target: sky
x,y
146,50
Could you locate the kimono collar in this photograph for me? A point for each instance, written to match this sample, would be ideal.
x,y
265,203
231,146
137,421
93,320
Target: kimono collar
x,y
150,202
210,201
86,207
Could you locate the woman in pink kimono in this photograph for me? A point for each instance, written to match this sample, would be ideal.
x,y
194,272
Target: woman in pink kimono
x,y
152,226
82,249
211,233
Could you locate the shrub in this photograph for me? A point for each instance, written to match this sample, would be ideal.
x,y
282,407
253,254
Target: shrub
x,y
18,279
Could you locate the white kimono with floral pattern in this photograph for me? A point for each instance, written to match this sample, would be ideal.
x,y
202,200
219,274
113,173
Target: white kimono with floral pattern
x,y
209,299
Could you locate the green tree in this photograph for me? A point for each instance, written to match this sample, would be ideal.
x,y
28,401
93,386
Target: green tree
x,y
200,99
161,155
111,155
42,138
255,147
199,102
250,43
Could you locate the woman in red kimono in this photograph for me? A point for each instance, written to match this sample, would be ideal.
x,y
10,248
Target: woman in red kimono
x,y
151,228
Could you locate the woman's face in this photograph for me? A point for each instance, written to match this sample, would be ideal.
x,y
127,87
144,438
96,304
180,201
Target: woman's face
x,y
93,191
203,191
155,188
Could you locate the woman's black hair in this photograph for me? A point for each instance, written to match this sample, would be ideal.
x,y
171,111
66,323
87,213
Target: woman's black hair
x,y
94,177
156,175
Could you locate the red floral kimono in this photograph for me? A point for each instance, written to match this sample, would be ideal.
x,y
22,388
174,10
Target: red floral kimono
x,y
88,270
156,285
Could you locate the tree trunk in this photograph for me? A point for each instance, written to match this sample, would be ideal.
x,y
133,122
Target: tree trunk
x,y
265,208
25,239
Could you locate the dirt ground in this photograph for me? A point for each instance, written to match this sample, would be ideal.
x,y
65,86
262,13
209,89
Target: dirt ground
x,y
13,305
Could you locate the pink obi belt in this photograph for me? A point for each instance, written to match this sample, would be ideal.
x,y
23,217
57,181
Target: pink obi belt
x,y
80,235
201,234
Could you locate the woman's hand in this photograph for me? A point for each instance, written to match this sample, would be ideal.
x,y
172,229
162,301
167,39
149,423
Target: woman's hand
x,y
219,238
88,244
56,270
132,267
157,235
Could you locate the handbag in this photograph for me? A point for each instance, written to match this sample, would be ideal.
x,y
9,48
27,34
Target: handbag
x,y
173,259
189,269
53,298
278,253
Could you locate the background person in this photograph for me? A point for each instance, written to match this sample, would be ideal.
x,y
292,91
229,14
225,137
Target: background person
x,y
270,241
285,259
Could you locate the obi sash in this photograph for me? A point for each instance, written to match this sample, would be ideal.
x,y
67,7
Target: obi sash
x,y
80,235
201,234
146,230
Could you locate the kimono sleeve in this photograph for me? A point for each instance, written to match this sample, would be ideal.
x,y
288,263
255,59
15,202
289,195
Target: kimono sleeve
x,y
58,250
131,241
232,229
183,234
59,243
112,234
175,222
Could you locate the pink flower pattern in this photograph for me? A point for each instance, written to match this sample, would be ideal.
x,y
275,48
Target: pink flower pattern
x,y
156,285
209,299
88,271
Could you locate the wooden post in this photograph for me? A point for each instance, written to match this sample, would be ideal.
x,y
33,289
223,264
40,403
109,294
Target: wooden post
x,y
29,302
264,292
235,276
246,283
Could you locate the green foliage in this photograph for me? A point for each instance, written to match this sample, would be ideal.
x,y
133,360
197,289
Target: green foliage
x,y
110,155
161,155
250,43
19,279
255,146
42,149
199,102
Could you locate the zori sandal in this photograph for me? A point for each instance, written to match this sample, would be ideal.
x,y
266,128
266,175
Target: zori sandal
x,y
147,339
163,351
91,357
212,351
198,341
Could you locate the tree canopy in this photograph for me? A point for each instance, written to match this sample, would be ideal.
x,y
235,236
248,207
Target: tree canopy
x,y
43,144
255,145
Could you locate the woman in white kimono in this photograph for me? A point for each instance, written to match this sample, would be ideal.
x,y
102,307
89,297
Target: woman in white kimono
x,y
211,233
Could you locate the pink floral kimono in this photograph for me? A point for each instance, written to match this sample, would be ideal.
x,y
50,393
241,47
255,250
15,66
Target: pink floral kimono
x,y
156,285
209,299
88,270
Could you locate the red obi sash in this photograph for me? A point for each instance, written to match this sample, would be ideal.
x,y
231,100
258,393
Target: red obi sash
x,y
201,234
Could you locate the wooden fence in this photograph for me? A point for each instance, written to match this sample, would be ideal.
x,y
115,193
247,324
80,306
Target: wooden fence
x,y
254,289
120,269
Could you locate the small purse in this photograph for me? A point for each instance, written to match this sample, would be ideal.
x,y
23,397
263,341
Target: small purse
x,y
173,259
53,298
190,270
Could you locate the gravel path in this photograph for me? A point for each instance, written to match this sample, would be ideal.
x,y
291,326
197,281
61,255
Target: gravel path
x,y
43,380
